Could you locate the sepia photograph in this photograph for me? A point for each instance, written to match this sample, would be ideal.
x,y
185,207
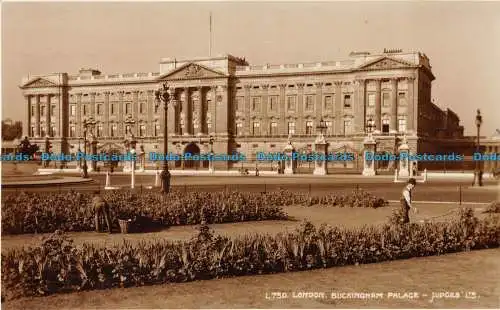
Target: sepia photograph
x,y
250,155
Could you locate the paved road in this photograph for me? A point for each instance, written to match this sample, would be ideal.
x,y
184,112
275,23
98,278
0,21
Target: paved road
x,y
439,190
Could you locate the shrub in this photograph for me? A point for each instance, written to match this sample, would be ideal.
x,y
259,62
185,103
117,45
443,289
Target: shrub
x,y
58,266
493,207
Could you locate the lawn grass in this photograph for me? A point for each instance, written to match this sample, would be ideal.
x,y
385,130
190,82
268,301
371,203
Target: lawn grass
x,y
476,271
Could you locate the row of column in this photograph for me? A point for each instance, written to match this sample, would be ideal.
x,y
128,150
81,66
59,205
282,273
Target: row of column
x,y
35,100
193,117
491,164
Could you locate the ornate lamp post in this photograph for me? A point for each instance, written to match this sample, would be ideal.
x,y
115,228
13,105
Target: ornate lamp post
x,y
86,125
164,95
211,162
320,147
478,174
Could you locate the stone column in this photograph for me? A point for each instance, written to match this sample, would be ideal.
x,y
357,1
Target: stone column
x,y
185,112
171,114
212,110
58,115
27,122
135,111
37,116
121,112
394,105
319,101
300,108
361,106
47,116
247,126
338,107
200,111
92,105
222,112
283,130
412,113
378,106
79,121
106,114
150,103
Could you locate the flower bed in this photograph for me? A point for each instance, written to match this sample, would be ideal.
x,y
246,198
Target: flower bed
x,y
47,212
58,266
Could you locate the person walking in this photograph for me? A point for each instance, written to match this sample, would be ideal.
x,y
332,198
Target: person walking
x,y
101,209
406,200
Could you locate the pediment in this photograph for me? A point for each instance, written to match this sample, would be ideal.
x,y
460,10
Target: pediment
x,y
386,63
39,82
191,71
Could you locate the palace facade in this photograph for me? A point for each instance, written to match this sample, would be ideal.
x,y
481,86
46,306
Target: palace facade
x,y
246,108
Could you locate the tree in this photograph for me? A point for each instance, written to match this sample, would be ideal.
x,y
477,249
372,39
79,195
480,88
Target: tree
x,y
26,147
11,131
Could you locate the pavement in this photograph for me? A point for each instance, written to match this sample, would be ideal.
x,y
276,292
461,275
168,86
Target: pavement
x,y
45,182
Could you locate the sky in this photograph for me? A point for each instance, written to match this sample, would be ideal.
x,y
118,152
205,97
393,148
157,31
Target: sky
x,y
461,39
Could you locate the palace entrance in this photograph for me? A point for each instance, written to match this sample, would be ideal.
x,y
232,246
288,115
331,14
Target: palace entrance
x,y
193,149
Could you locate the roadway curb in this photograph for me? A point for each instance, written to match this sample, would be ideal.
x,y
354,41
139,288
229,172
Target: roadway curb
x,y
63,181
444,202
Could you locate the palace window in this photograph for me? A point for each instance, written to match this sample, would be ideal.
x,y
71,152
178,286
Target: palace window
x,y
255,104
98,109
112,108
309,103
291,128
347,101
142,130
385,99
128,129
370,123
157,107
157,129
328,103
402,124
402,98
112,130
128,107
385,125
99,130
42,111
240,104
273,103
371,100
347,127
72,110
291,100
42,131
53,110
256,129
239,129
72,131
32,132
84,109
53,131
142,107
309,128
329,127
273,128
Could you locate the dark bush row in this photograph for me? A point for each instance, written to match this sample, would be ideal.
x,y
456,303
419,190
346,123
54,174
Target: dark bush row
x,y
48,212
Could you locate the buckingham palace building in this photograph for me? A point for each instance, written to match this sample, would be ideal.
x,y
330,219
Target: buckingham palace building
x,y
226,104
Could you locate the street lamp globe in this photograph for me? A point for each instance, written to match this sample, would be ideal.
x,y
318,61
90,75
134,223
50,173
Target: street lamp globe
x,y
479,119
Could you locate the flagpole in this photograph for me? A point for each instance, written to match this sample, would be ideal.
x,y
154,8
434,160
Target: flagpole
x,y
210,39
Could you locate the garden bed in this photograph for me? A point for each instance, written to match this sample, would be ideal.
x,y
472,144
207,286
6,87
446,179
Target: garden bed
x,y
47,212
